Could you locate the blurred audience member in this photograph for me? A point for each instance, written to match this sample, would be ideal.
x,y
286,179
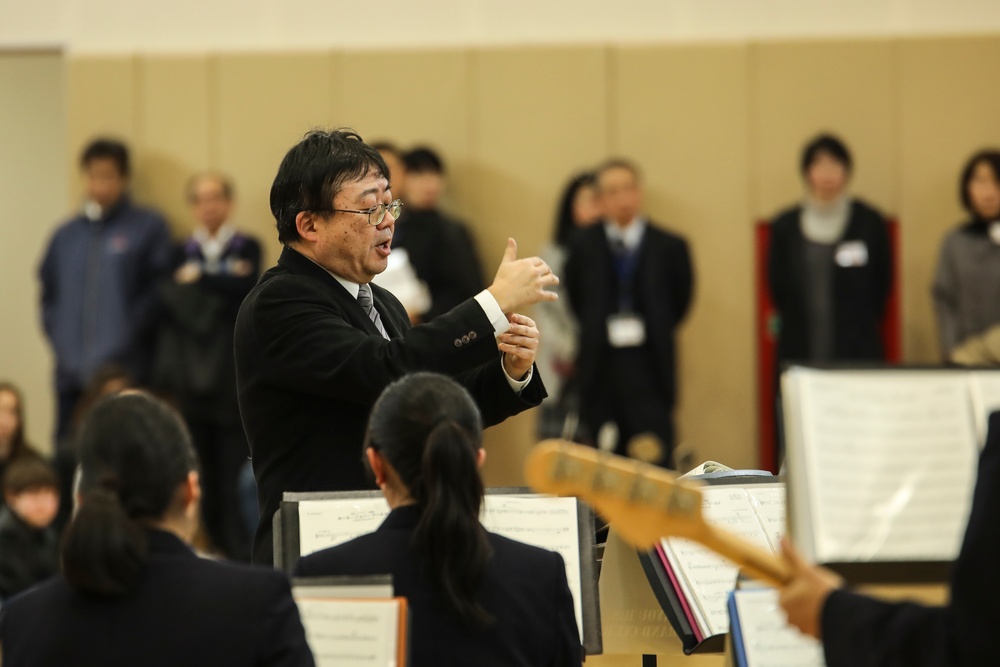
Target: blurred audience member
x,y
967,281
557,350
28,546
13,444
131,590
439,248
214,269
630,284
829,265
99,277
397,168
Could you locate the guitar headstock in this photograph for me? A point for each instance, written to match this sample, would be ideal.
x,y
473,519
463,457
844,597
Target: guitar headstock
x,y
643,502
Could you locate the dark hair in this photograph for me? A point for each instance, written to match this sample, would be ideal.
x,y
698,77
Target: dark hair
x,y
224,182
18,445
565,224
988,156
313,171
423,159
27,473
825,144
135,452
106,149
429,430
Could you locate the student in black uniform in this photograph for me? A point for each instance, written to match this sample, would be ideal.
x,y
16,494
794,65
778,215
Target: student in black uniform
x,y
476,598
133,592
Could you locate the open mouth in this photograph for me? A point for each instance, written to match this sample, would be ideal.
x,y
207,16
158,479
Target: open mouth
x,y
385,248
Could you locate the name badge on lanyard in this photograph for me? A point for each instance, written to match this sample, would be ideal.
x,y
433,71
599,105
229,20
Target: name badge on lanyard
x,y
852,253
626,330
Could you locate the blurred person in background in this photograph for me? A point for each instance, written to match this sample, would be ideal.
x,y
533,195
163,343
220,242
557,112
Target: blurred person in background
x,y
630,284
966,285
13,444
439,247
99,277
557,350
29,550
213,271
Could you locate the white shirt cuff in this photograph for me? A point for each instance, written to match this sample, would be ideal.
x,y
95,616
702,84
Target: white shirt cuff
x,y
517,385
492,309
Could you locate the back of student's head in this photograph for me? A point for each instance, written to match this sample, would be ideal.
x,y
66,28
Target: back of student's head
x,y
135,455
430,431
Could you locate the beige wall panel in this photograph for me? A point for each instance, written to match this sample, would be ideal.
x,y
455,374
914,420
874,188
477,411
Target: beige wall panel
x,y
949,106
33,187
101,100
680,114
172,131
538,116
802,88
410,98
263,104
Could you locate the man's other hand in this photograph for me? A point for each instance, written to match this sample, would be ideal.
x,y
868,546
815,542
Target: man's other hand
x,y
522,282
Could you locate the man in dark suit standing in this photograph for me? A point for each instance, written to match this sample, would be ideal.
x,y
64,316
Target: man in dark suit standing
x,y
316,343
630,284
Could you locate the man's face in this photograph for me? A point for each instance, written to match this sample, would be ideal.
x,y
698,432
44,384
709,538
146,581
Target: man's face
x,y
104,184
346,244
619,195
424,190
209,204
826,177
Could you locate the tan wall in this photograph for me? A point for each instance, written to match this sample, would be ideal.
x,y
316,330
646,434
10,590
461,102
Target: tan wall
x,y
716,127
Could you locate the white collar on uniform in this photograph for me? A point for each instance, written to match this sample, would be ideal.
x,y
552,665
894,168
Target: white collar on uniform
x,y
630,236
352,288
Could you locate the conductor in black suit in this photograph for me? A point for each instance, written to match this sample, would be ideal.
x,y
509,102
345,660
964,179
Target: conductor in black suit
x,y
857,630
630,284
316,343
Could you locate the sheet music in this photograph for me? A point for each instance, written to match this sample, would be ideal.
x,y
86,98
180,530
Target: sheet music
x,y
709,578
888,463
549,523
351,633
768,640
985,386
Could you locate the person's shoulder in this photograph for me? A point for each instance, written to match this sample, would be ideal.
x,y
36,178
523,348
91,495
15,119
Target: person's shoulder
x,y
867,211
69,228
786,217
512,554
668,237
47,596
227,578
352,557
146,216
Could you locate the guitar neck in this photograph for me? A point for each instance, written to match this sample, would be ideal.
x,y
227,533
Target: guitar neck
x,y
751,559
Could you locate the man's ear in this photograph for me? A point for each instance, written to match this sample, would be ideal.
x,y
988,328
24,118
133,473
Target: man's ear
x,y
307,225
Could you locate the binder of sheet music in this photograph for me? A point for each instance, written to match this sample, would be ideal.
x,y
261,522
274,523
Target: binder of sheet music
x,y
761,636
328,519
698,580
881,465
355,632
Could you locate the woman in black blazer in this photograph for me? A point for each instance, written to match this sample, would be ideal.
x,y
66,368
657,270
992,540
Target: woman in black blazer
x,y
476,598
132,592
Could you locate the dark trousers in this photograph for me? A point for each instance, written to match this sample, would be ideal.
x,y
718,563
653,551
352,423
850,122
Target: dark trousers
x,y
222,449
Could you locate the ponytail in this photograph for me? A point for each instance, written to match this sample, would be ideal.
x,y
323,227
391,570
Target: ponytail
x,y
449,536
103,550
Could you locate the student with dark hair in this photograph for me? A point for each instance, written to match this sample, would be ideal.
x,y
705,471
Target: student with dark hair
x,y
428,235
132,591
317,342
966,285
99,277
477,598
28,548
829,265
13,444
557,352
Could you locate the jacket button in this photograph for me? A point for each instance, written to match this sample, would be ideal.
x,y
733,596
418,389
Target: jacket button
x,y
472,335
458,342
465,339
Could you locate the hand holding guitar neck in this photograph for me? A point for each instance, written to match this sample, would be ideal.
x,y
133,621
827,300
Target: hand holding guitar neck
x,y
644,503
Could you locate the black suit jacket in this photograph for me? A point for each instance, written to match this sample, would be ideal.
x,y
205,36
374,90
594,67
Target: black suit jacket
x,y
524,588
310,364
859,292
860,631
185,611
661,293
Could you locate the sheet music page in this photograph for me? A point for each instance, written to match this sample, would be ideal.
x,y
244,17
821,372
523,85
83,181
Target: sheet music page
x,y
549,523
327,523
985,386
768,501
351,633
768,640
888,463
710,577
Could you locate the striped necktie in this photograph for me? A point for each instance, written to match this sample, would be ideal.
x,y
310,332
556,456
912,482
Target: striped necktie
x,y
365,299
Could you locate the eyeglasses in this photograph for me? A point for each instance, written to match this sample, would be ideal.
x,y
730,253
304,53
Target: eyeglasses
x,y
376,214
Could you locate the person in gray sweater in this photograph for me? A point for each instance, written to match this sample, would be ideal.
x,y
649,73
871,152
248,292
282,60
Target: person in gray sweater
x,y
966,285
